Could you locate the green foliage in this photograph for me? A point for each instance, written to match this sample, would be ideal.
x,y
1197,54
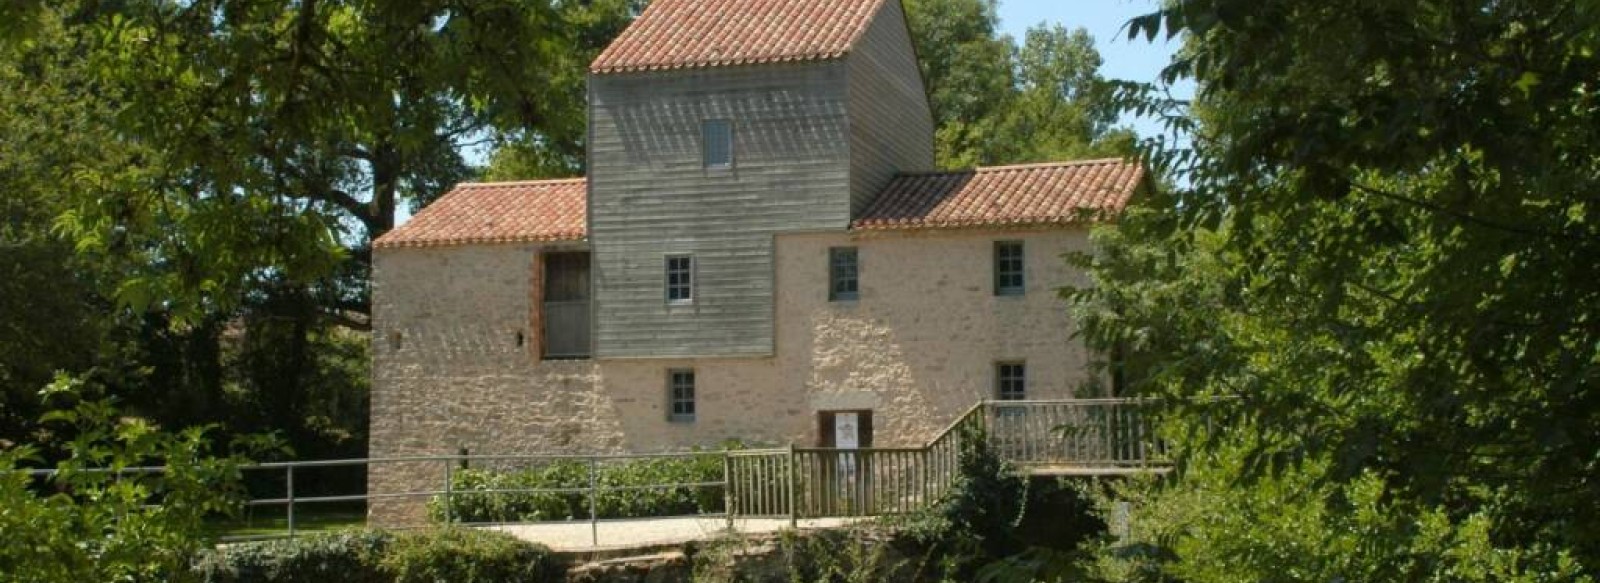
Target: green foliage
x,y
858,554
1301,526
525,155
469,556
1383,244
368,556
92,521
633,494
995,102
350,556
976,521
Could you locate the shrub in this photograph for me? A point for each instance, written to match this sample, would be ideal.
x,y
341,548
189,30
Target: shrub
x,y
460,555
86,525
977,519
629,494
346,556
372,556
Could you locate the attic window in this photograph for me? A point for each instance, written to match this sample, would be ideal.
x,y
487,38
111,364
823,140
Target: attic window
x,y
717,138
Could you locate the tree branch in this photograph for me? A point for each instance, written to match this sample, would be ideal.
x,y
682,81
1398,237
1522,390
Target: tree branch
x,y
1464,217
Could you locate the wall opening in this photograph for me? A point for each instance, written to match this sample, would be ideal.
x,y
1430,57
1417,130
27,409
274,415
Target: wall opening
x,y
566,305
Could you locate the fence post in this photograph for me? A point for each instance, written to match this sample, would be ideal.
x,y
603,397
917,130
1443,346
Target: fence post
x,y
727,488
449,489
289,484
594,514
794,478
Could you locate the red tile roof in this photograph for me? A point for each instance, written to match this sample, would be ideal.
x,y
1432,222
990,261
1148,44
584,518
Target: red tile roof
x,y
675,34
497,212
1033,194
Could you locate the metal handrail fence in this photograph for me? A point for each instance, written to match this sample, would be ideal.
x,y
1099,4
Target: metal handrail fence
x,y
791,482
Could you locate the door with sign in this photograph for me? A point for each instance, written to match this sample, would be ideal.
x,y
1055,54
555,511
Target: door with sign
x,y
845,431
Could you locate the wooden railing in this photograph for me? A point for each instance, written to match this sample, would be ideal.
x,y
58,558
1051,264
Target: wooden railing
x,y
1087,436
1079,436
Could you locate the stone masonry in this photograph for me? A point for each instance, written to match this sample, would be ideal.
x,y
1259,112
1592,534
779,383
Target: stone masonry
x,y
456,353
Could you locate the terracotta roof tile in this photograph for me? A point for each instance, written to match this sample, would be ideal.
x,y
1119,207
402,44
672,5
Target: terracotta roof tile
x,y
1033,194
676,34
497,212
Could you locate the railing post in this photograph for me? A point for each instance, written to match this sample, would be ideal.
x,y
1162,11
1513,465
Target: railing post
x,y
289,484
794,476
727,488
594,507
449,489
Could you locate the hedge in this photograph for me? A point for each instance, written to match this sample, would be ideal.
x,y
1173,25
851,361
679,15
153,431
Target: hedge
x,y
372,556
470,503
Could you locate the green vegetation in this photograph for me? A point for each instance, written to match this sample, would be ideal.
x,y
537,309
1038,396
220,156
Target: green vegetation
x,y
1383,244
190,189
274,521
997,101
450,554
631,494
87,524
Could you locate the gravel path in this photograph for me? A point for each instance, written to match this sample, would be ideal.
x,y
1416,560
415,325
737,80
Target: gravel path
x,y
578,536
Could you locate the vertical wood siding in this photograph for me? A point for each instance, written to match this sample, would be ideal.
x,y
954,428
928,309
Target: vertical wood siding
x,y
891,127
650,197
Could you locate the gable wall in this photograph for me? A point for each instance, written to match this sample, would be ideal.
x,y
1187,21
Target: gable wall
x,y
891,127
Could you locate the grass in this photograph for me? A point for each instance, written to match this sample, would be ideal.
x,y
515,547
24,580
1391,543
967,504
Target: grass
x,y
273,520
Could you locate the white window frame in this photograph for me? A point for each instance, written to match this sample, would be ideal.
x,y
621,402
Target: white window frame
x,y
666,279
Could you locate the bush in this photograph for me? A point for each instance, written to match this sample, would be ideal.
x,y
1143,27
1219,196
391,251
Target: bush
x,y
460,555
976,521
347,556
86,525
453,555
627,496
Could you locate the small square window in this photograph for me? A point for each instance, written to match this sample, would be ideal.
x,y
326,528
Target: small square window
x,y
1011,381
1008,269
680,395
717,139
680,279
844,271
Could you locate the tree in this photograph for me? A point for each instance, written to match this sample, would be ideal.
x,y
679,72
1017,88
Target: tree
x,y
1385,249
533,155
997,103
216,170
50,315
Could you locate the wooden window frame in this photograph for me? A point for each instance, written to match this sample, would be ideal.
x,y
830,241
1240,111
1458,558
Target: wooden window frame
x,y
836,277
1010,268
1003,379
681,399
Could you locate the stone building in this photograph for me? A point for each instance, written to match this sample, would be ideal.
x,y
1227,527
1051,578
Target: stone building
x,y
761,251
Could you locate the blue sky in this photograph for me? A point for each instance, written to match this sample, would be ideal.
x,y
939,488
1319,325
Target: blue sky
x,y
1132,60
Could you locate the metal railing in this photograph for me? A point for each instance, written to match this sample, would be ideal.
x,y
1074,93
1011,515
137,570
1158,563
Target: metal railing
x,y
1086,435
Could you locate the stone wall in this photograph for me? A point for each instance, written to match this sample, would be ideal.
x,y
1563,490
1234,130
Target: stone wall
x,y
918,348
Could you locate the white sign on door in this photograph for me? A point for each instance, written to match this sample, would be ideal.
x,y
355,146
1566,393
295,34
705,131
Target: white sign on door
x,y
847,435
847,430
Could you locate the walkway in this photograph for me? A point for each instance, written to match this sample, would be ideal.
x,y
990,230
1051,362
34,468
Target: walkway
x,y
644,532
